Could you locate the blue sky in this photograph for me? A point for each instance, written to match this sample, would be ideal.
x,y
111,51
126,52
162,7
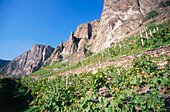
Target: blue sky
x,y
27,22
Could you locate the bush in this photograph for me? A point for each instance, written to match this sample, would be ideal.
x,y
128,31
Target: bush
x,y
151,22
13,95
167,3
88,53
162,4
127,32
150,15
140,24
112,43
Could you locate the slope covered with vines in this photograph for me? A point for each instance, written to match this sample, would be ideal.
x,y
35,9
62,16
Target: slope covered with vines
x,y
142,86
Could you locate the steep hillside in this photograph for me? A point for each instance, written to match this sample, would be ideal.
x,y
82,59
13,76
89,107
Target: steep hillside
x,y
132,75
30,61
154,37
118,18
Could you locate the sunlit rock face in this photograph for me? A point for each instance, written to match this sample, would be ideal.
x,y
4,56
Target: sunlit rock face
x,y
119,17
77,43
30,61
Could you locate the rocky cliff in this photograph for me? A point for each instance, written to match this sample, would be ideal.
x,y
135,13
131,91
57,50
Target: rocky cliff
x,y
118,17
30,61
78,43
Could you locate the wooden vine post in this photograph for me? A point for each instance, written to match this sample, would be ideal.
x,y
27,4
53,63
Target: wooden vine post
x,y
150,32
99,64
120,47
154,30
141,38
67,76
146,34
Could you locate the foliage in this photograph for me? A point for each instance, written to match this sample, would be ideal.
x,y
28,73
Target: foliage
x,y
88,53
112,44
13,95
164,4
150,15
125,87
148,24
54,95
140,24
58,65
127,32
41,72
58,61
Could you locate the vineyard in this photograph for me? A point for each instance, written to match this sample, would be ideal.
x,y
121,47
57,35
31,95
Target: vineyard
x,y
142,86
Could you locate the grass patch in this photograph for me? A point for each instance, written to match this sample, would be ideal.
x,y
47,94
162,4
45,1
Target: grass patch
x,y
41,72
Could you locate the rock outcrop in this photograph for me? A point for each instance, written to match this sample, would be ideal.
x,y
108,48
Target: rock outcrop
x,y
77,44
55,55
70,46
119,17
30,61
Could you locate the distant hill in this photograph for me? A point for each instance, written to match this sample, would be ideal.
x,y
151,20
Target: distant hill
x,y
3,63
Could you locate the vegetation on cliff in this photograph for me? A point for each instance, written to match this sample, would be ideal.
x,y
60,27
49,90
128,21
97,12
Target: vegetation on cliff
x,y
144,86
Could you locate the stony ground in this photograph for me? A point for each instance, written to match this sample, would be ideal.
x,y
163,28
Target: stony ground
x,y
125,61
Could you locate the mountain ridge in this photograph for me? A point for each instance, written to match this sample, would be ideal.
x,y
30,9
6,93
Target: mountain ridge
x,y
30,61
117,18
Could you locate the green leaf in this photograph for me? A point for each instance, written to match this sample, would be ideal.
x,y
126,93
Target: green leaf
x,y
105,103
165,81
120,106
87,109
134,80
100,99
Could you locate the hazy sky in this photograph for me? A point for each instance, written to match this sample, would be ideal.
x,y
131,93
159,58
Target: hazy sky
x,y
27,22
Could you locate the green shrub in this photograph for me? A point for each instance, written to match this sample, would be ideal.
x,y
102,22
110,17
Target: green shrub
x,y
13,95
88,53
127,32
112,43
140,24
41,72
167,3
151,22
150,15
164,4
124,89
